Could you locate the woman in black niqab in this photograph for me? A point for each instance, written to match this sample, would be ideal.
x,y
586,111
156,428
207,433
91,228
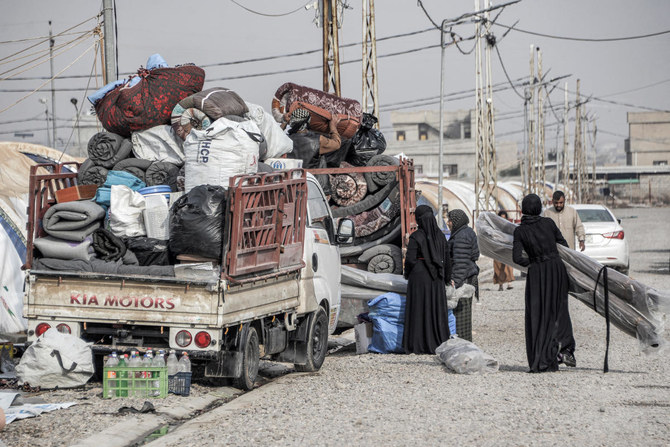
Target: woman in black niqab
x,y
428,270
547,319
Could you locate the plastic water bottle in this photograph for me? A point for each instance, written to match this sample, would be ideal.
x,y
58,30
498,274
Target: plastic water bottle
x,y
112,362
172,364
123,363
184,363
157,362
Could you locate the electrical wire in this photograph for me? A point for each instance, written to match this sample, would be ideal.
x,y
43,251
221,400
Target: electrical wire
x,y
271,15
48,38
636,89
38,38
428,15
43,51
584,39
507,76
47,81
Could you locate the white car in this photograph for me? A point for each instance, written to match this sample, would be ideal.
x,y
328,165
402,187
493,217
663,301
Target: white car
x,y
605,241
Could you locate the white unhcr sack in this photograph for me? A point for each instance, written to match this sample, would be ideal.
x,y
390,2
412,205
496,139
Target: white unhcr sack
x,y
56,360
223,150
278,142
158,143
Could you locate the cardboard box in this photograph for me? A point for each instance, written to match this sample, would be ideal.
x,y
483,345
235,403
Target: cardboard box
x,y
79,192
363,332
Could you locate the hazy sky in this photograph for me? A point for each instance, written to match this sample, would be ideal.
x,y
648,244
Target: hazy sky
x,y
633,73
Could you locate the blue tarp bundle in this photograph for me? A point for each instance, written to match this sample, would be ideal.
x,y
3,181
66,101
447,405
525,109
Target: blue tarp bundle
x,y
104,193
387,313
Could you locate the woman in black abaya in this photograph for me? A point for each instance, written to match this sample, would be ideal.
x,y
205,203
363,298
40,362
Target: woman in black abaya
x,y
428,270
549,339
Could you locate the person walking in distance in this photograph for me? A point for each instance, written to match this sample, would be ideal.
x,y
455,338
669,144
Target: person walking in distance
x,y
464,252
549,339
502,273
567,220
428,271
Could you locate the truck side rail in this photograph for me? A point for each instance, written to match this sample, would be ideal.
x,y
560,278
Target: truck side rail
x,y
41,195
267,215
405,176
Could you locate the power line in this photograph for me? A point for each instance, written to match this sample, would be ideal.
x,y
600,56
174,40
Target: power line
x,y
636,89
582,39
39,38
271,15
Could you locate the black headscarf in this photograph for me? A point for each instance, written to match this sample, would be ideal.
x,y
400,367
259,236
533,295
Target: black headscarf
x,y
531,208
433,246
458,219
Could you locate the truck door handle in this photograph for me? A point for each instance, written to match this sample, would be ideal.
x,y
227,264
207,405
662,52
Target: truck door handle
x,y
315,262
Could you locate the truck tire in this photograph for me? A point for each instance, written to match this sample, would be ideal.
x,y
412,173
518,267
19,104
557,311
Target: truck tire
x,y
250,361
317,342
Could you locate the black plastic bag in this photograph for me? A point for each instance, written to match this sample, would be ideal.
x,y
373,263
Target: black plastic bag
x,y
197,222
306,147
367,142
149,251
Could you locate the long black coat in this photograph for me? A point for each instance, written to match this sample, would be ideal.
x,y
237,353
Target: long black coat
x,y
464,254
426,320
548,325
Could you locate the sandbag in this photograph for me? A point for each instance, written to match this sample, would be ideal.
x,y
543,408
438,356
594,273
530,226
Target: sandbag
x,y
223,150
158,143
56,360
464,357
367,142
197,222
278,143
150,101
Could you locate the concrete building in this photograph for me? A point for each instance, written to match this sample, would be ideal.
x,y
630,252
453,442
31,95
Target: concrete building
x,y
648,142
417,135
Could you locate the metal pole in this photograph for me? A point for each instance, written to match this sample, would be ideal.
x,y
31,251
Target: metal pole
x,y
440,173
53,88
110,48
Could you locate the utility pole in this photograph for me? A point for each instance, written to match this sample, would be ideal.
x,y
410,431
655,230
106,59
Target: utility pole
x,y
565,175
532,187
593,152
577,157
331,46
480,131
540,128
490,168
53,88
109,50
370,98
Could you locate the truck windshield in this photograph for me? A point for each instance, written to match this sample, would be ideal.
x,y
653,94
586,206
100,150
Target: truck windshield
x,y
316,205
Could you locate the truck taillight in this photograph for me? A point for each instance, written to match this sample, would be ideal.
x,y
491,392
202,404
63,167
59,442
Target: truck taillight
x,y
614,235
64,328
183,338
41,329
202,339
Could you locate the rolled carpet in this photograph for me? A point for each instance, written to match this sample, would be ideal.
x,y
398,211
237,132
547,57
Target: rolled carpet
x,y
369,222
385,258
90,174
376,180
162,173
73,221
107,149
370,201
347,189
135,166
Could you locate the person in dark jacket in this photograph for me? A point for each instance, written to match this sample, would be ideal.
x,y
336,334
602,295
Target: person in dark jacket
x,y
428,271
549,339
464,252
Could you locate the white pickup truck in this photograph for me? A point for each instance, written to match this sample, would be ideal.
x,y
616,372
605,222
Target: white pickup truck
x,y
277,295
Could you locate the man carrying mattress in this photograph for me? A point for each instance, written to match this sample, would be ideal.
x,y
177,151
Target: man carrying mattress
x,y
306,145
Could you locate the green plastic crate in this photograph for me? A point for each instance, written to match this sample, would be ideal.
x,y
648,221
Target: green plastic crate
x,y
134,382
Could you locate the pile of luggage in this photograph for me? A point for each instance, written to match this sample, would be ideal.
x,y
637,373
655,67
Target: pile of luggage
x,y
161,170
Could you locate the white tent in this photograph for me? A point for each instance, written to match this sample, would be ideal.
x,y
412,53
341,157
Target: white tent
x,y
17,158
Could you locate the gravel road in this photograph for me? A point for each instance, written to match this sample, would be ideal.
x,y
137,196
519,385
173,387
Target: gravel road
x,y
412,399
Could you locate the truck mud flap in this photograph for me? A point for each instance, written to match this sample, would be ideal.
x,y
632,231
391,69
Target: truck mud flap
x,y
227,364
296,351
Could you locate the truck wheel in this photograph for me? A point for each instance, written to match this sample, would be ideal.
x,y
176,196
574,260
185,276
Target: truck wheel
x,y
317,342
250,361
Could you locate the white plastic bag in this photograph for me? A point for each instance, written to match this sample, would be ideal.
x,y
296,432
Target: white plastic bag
x,y
158,143
125,212
278,142
223,150
464,357
56,360
454,295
